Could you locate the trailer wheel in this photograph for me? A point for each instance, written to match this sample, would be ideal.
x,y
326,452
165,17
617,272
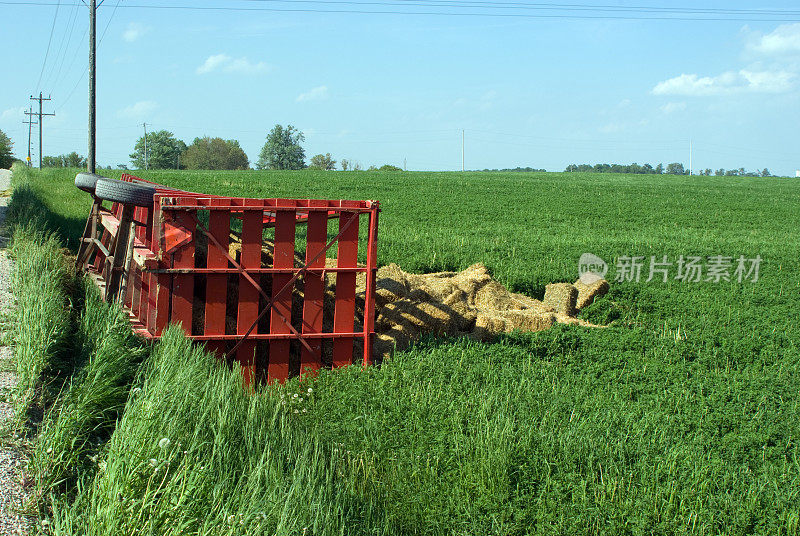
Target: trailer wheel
x,y
127,193
87,181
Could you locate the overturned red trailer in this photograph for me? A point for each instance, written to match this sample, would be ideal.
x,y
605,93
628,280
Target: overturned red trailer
x,y
251,278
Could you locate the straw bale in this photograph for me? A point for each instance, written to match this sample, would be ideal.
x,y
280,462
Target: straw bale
x,y
561,297
588,293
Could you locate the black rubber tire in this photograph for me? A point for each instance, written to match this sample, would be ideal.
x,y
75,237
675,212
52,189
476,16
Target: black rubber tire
x,y
127,193
87,181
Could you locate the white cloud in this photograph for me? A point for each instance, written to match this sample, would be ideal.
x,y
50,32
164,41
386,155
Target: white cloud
x,y
213,62
134,31
227,64
785,39
672,107
13,113
139,110
727,83
318,93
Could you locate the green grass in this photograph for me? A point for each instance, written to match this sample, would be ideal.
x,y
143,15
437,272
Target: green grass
x,y
41,323
680,418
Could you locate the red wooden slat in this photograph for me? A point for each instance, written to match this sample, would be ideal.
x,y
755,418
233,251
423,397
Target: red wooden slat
x,y
369,293
158,303
217,284
344,312
283,257
316,238
183,284
133,288
145,278
248,295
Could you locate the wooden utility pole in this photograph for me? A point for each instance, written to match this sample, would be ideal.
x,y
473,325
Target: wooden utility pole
x,y
462,149
30,122
91,160
145,145
41,115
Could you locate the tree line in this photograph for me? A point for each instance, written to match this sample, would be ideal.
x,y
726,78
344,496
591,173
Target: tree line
x,y
674,168
282,149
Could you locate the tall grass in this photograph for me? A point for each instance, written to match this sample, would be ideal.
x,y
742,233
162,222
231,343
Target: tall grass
x,y
41,319
106,357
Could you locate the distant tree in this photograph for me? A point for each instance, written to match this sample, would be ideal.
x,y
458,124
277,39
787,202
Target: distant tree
x,y
675,168
282,149
214,153
357,166
71,160
720,172
345,164
323,161
372,168
6,151
659,169
389,167
765,173
707,172
51,161
122,166
163,151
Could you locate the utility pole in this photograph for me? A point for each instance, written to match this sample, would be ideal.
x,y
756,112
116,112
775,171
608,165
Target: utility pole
x,y
91,160
30,122
145,145
41,115
462,149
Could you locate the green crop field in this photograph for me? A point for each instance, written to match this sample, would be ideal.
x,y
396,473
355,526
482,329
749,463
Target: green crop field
x,y
681,417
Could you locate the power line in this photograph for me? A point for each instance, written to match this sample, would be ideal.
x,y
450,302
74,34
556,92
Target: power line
x,y
543,6
74,58
30,122
68,29
110,18
690,14
50,40
41,116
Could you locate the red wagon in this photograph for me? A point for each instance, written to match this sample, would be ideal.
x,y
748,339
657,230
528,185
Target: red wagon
x,y
228,270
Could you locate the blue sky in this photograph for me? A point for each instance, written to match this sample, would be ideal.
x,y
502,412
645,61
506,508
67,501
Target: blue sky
x,y
387,88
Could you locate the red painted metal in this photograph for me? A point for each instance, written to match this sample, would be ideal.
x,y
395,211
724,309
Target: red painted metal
x,y
169,282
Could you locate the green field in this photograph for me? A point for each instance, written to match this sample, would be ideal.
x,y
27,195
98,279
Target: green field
x,y
681,417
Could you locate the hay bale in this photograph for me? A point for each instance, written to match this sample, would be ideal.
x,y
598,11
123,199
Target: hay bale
x,y
488,325
588,293
527,303
493,295
464,315
561,297
529,321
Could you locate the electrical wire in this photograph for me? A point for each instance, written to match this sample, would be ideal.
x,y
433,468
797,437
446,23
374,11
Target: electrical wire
x,y
50,40
109,22
59,61
601,12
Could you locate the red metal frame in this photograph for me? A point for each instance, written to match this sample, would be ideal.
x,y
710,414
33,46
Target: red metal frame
x,y
163,275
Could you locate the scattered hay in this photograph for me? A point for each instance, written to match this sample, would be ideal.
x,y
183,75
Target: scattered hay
x,y
408,306
470,303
